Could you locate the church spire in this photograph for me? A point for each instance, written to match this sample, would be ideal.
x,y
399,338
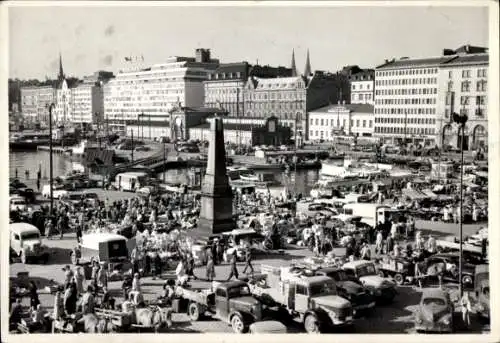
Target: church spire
x,y
61,75
307,70
294,68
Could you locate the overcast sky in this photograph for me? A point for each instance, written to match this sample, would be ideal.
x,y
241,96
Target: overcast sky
x,y
98,38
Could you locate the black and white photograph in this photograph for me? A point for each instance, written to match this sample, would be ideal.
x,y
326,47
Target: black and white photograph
x,y
249,168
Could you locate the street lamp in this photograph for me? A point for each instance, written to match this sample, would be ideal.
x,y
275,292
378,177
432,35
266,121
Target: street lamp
x,y
461,119
51,176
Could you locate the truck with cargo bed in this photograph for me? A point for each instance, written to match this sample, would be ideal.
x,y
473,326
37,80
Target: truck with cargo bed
x,y
313,300
231,302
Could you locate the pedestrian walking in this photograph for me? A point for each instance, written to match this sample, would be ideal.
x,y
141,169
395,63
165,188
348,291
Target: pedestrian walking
x,y
248,261
210,269
79,279
466,309
33,292
16,173
234,268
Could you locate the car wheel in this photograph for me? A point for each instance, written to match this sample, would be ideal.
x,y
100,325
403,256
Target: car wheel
x,y
237,324
399,279
466,279
311,324
194,312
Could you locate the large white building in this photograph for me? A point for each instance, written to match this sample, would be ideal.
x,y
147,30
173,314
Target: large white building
x,y
406,98
150,93
414,98
463,89
340,120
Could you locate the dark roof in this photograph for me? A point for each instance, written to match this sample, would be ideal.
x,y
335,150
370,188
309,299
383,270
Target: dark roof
x,y
365,75
409,63
360,108
468,59
146,123
105,156
228,126
230,69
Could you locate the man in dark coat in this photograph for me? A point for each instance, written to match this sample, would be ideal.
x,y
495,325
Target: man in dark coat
x,y
234,267
248,261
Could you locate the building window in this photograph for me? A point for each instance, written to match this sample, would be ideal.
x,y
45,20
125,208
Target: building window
x,y
466,73
481,86
321,122
352,122
311,133
450,74
465,86
464,100
317,121
481,73
364,123
357,122
312,121
353,87
480,100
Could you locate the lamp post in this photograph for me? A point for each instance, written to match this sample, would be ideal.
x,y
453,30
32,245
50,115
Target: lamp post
x,y
460,120
51,176
164,157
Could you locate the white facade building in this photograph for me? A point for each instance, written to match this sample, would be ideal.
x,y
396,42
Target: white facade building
x,y
63,111
88,106
463,89
363,87
406,98
154,91
339,120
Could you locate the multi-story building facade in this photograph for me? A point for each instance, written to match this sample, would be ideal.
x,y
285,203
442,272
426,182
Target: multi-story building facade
x,y
330,121
63,110
413,96
88,104
406,98
224,87
290,98
29,101
35,101
463,89
151,93
363,87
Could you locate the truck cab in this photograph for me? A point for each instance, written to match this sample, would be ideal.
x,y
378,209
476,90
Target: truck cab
x,y
235,305
382,288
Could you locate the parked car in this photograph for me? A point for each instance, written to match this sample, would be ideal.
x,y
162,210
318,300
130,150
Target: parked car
x,y
25,240
435,312
268,327
142,148
28,194
17,203
90,199
72,199
482,289
58,191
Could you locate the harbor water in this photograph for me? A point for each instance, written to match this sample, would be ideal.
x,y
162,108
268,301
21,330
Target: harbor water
x,y
33,160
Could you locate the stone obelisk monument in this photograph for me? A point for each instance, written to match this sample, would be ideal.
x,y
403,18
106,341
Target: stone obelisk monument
x,y
216,214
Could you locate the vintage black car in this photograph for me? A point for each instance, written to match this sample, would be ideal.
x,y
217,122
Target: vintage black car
x,y
435,312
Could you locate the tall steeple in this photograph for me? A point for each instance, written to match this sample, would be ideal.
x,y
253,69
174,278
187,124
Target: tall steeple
x,y
61,75
294,68
308,70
